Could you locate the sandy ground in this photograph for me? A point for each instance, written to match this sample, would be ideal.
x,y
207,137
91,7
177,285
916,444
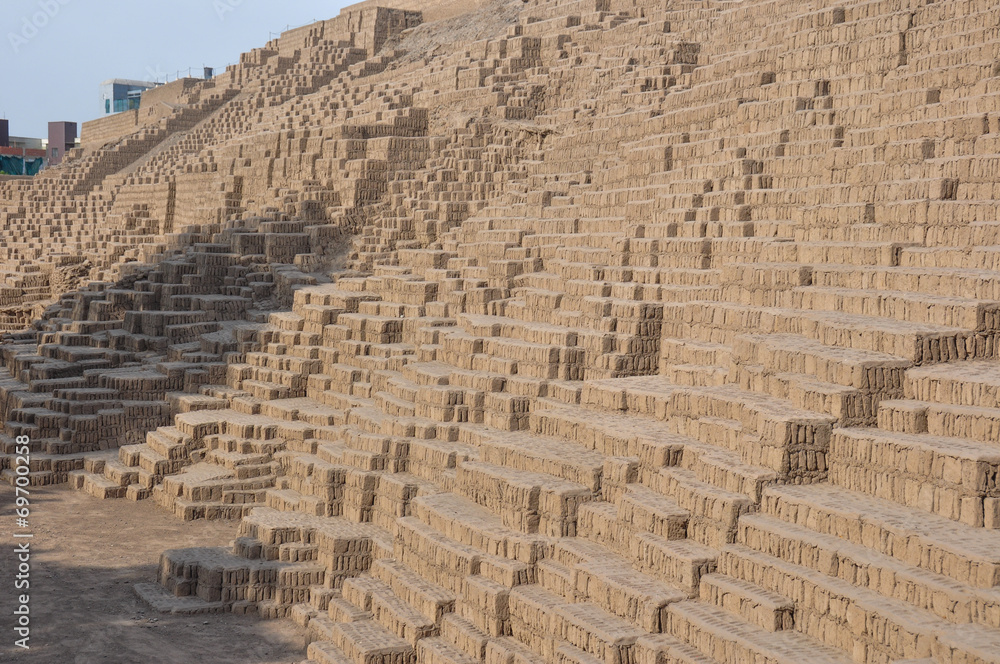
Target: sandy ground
x,y
86,554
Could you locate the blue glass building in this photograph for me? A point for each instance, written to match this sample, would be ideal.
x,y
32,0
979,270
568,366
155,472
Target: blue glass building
x,y
120,94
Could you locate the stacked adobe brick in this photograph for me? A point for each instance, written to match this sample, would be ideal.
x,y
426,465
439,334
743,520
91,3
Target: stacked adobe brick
x,y
668,333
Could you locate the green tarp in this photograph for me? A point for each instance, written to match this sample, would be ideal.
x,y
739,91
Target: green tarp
x,y
17,166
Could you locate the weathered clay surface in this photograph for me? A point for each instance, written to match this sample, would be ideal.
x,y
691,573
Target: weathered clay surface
x,y
569,331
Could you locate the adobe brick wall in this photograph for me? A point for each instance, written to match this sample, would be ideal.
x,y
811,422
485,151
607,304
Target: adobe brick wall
x,y
565,331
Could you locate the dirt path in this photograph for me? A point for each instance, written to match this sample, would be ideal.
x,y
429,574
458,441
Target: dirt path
x,y
86,554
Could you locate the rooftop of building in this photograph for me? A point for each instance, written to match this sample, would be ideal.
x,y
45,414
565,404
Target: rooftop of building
x,y
128,81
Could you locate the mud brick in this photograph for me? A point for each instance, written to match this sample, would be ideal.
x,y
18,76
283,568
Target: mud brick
x,y
565,331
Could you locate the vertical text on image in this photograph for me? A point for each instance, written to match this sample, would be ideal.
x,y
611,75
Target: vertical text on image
x,y
22,550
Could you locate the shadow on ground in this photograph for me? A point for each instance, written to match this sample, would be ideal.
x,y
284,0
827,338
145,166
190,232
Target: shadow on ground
x,y
86,556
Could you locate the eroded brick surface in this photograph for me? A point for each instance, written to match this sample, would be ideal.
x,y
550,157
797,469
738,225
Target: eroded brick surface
x,y
566,331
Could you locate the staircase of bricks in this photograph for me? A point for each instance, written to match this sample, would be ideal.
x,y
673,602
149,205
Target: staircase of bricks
x,y
557,331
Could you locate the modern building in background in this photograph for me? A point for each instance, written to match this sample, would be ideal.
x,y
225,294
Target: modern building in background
x,y
28,143
27,156
62,138
18,155
119,94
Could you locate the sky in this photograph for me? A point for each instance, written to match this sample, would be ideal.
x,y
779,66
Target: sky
x,y
54,54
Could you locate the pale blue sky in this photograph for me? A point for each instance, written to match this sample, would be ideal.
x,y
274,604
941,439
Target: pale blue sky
x,y
55,53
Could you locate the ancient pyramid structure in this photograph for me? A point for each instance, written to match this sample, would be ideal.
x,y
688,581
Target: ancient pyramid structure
x,y
569,331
